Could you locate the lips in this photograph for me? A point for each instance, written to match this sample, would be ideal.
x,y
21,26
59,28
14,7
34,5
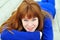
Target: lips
x,y
30,28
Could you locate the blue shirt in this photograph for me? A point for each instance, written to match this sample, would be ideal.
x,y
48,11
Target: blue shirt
x,y
47,33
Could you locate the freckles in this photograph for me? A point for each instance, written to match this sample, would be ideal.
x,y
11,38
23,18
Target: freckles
x,y
25,24
35,24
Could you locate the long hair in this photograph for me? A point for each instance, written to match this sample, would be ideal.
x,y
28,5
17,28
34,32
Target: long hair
x,y
27,8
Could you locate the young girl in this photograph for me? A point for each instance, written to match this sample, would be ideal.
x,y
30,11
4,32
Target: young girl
x,y
27,22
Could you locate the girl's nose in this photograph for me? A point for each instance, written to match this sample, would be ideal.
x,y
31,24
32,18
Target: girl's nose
x,y
30,24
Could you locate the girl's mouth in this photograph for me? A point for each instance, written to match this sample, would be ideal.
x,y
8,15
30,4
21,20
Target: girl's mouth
x,y
30,29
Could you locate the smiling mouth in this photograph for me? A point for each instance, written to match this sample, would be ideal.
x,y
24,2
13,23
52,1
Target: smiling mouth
x,y
30,28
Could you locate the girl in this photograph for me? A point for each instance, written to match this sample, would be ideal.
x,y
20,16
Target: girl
x,y
27,22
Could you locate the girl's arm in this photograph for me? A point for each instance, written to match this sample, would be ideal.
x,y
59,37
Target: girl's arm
x,y
49,1
17,35
47,30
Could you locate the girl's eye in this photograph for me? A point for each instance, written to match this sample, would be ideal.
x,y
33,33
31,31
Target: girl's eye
x,y
25,20
33,19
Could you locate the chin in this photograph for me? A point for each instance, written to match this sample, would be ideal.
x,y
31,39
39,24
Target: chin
x,y
30,30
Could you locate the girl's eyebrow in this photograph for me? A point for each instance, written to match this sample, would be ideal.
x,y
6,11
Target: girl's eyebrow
x,y
34,18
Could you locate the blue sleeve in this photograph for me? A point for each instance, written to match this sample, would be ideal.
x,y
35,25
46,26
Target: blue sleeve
x,y
6,35
47,30
44,0
48,7
49,1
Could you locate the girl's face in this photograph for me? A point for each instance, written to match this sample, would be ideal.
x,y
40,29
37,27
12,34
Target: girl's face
x,y
31,24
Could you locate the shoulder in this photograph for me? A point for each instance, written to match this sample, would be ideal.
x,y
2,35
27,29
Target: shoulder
x,y
47,20
9,34
5,33
47,24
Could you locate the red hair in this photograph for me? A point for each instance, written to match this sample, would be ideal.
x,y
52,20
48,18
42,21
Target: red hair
x,y
29,9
